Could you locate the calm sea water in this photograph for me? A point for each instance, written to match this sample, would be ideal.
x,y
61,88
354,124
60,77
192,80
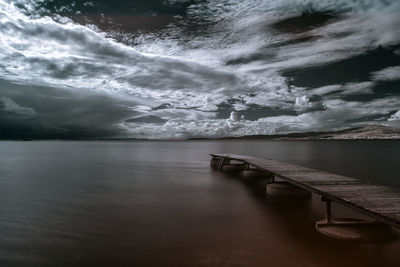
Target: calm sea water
x,y
160,204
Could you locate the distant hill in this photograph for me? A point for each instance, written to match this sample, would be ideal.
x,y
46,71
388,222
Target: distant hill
x,y
367,132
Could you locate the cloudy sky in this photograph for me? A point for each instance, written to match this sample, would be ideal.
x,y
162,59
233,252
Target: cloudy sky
x,y
180,69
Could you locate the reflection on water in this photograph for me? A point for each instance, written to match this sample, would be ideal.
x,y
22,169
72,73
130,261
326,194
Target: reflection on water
x,y
160,204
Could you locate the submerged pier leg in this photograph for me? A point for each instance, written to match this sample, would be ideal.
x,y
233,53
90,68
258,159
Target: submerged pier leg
x,y
223,163
214,162
328,210
285,189
351,228
253,173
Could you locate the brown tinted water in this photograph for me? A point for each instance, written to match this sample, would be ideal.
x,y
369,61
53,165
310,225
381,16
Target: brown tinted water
x,y
160,204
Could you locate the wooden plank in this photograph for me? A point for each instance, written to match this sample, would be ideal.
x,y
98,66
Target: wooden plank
x,y
380,202
324,183
316,176
272,165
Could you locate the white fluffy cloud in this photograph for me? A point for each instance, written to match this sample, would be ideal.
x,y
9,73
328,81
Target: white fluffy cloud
x,y
387,74
395,116
335,117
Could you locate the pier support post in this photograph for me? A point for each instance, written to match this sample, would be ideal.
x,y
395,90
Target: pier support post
x,y
352,228
285,189
328,210
224,163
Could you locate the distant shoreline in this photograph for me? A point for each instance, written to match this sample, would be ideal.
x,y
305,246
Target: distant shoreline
x,y
361,133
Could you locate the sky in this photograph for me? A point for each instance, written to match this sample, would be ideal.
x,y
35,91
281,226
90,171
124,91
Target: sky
x,y
177,69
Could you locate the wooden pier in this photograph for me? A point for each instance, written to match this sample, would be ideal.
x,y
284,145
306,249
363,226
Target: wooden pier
x,y
377,201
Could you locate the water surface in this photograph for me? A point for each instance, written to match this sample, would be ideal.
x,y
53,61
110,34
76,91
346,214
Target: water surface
x,y
160,204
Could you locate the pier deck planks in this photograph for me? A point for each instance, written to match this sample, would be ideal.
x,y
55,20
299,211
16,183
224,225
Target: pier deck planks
x,y
378,201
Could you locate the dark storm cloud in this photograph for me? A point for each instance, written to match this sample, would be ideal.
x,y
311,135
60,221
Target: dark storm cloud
x,y
45,112
116,15
15,119
147,119
354,69
69,7
307,21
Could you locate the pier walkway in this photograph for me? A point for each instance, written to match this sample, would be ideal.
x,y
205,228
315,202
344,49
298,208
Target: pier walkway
x,y
377,201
